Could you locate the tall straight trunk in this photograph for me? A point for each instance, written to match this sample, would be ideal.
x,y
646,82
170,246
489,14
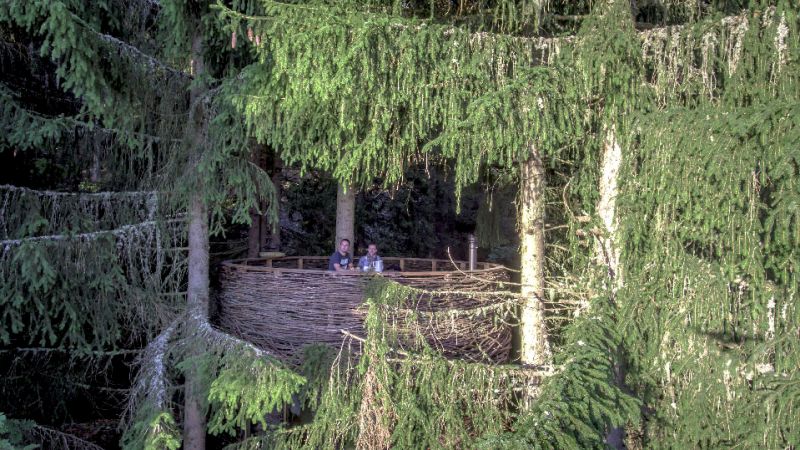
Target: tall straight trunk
x,y
535,349
274,231
607,251
607,243
194,419
345,213
254,234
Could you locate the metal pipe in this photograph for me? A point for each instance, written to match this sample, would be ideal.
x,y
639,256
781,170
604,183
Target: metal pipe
x,y
473,252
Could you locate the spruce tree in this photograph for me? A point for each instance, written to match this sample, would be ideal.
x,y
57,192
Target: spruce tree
x,y
676,151
141,74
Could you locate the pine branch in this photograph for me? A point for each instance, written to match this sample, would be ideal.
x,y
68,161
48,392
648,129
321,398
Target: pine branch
x,y
128,48
132,50
104,195
7,95
107,353
217,338
20,53
538,42
58,440
86,236
151,381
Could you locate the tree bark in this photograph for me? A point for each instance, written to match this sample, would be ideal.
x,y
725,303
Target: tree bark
x,y
277,181
194,420
256,234
345,214
535,349
606,245
607,251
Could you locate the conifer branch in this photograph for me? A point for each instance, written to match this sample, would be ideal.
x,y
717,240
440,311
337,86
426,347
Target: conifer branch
x,y
128,48
151,382
402,23
104,195
86,236
98,353
58,440
221,339
6,94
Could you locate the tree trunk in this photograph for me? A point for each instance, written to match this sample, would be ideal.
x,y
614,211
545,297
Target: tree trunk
x,y
535,349
256,234
606,244
277,181
261,230
345,214
194,420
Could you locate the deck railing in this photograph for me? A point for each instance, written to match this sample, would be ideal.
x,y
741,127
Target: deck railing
x,y
285,303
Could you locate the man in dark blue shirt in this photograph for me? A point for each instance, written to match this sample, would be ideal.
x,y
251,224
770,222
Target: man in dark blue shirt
x,y
340,259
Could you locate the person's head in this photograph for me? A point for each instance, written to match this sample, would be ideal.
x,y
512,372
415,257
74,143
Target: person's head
x,y
344,246
372,249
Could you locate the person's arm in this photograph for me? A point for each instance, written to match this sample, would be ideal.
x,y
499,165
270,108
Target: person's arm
x,y
337,265
336,258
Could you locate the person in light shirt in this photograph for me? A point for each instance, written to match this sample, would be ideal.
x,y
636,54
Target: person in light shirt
x,y
371,261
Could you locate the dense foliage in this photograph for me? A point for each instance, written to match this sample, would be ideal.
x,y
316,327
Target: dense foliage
x,y
691,342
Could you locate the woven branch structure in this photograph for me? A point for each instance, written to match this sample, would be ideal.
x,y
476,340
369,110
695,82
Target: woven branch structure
x,y
283,304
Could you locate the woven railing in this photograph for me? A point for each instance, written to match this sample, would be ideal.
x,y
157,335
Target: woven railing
x,y
283,304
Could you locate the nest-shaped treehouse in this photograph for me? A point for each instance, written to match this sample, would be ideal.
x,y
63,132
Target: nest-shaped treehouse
x,y
283,304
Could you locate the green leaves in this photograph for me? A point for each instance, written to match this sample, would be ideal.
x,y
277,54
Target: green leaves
x,y
577,406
